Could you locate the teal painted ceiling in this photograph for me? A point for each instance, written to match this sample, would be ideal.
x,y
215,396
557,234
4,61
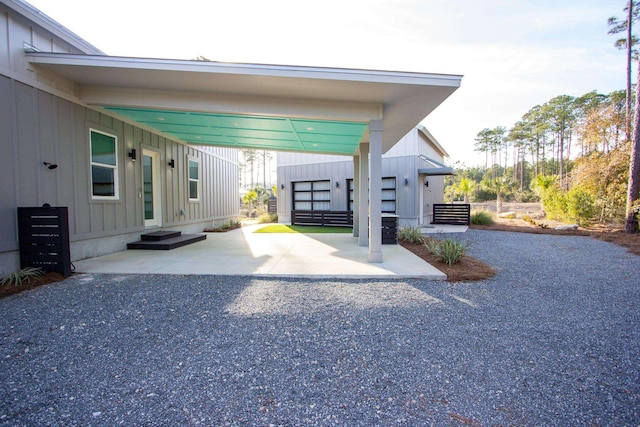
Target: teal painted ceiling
x,y
244,131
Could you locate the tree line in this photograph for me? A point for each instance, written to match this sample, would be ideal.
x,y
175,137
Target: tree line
x,y
576,148
580,156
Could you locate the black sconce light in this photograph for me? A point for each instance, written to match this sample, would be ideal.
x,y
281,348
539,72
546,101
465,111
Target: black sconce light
x,y
337,184
50,165
406,181
172,164
132,155
282,186
426,183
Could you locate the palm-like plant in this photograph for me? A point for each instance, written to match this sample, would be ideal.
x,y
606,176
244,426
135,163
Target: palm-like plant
x,y
501,186
466,187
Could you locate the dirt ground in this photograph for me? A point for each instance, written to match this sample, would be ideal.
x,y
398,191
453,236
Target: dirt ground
x,y
472,269
606,232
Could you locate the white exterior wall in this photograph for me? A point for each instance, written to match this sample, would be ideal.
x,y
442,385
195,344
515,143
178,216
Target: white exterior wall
x,y
43,123
401,162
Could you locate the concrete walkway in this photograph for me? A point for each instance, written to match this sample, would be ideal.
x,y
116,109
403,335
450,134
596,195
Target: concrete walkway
x,y
243,252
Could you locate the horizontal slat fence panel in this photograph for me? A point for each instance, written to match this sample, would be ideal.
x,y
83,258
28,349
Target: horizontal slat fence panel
x,y
328,218
451,214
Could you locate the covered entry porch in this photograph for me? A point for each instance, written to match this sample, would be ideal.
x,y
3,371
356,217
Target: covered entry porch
x,y
360,113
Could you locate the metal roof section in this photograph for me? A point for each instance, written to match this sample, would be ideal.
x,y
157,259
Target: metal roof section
x,y
329,97
440,169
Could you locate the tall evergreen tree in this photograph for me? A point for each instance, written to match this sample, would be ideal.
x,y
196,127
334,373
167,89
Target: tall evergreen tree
x,y
617,26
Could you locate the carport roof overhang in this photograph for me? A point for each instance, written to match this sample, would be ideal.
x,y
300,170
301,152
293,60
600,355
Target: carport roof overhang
x,y
272,107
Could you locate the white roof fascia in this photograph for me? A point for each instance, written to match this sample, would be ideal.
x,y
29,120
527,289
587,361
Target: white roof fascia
x,y
372,76
50,25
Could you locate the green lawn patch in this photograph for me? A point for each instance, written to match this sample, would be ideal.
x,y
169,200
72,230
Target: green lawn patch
x,y
283,228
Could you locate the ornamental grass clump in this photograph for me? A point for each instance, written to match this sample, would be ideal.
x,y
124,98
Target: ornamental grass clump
x,y
17,278
266,218
447,251
481,218
411,234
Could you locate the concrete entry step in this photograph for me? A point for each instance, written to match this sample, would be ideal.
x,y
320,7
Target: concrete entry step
x,y
160,235
167,243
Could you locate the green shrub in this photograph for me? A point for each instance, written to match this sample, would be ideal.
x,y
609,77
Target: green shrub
x,y
481,218
25,275
448,251
576,205
580,206
410,234
555,204
267,218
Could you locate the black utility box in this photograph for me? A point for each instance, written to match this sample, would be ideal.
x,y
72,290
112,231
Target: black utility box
x,y
44,239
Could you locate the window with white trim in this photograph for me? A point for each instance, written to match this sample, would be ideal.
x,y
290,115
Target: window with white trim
x,y
104,165
194,179
312,195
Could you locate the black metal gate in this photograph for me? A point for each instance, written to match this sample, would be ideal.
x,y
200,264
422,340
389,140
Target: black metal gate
x,y
44,239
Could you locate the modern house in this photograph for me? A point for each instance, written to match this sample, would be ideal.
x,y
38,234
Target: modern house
x,y
144,144
412,180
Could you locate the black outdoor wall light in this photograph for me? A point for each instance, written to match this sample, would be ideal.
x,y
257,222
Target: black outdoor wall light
x,y
282,186
426,183
172,164
337,184
50,165
132,155
406,181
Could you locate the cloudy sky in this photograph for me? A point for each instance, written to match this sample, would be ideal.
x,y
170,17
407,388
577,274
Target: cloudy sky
x,y
513,54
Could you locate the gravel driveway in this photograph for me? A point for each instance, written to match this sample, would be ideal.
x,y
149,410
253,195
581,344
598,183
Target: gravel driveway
x,y
553,339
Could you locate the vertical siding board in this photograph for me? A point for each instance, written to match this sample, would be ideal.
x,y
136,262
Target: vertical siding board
x,y
5,58
128,195
170,183
117,215
66,146
27,191
81,171
8,194
136,177
47,143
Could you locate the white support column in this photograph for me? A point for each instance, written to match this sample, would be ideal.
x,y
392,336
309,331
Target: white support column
x,y
363,196
375,191
356,195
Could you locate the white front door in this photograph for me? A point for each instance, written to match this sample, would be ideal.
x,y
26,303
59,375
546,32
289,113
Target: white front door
x,y
151,188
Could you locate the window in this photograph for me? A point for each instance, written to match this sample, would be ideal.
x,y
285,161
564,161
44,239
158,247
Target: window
x,y
104,165
388,195
194,180
312,196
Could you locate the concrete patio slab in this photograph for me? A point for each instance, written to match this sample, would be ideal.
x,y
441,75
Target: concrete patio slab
x,y
243,252
443,228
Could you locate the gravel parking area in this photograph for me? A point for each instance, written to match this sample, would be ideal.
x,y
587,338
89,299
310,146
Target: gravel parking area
x,y
553,339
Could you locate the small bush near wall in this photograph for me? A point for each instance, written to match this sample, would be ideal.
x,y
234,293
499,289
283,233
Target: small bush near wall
x,y
410,234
